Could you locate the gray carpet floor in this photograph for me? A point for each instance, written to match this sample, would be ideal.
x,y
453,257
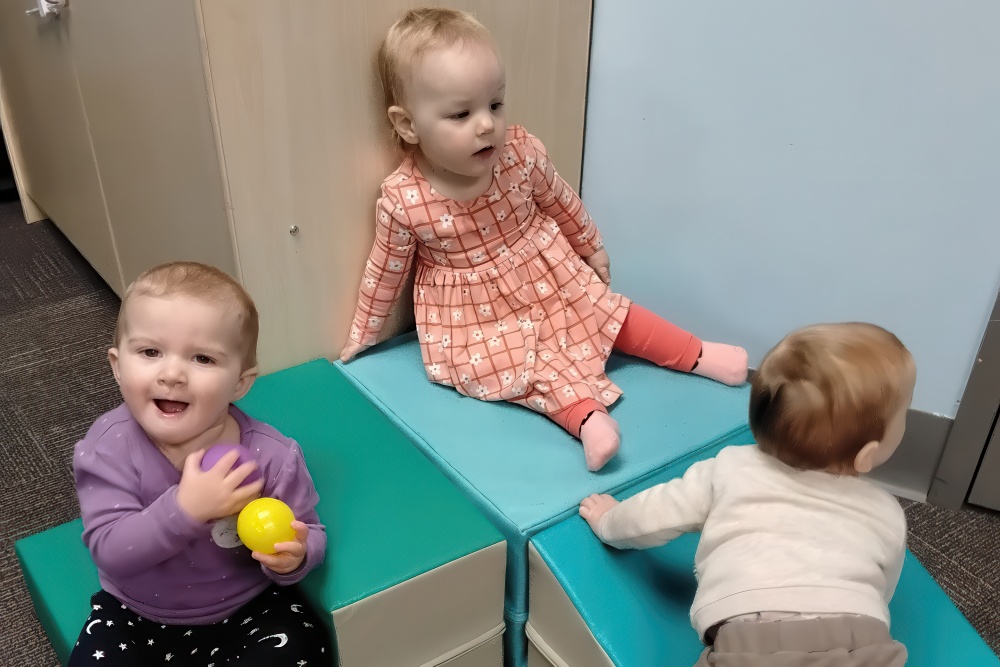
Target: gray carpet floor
x,y
56,322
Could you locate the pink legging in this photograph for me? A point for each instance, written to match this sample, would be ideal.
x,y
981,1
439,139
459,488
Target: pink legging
x,y
648,336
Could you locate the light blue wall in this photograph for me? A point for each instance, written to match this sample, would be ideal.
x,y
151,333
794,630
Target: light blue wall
x,y
758,166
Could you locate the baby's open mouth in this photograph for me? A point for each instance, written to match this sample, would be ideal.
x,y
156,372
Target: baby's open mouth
x,y
170,407
483,151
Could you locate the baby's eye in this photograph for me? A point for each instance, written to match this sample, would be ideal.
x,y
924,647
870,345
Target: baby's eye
x,y
496,106
150,353
202,359
459,116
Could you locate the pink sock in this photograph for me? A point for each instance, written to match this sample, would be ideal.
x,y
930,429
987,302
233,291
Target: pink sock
x,y
600,439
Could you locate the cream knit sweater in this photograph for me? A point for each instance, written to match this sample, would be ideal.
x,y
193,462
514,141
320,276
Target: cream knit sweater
x,y
773,538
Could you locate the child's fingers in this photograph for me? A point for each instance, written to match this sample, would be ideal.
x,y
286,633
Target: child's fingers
x,y
193,461
296,549
241,472
301,531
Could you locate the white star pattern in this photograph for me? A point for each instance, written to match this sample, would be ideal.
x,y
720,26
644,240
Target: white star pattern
x,y
98,655
123,647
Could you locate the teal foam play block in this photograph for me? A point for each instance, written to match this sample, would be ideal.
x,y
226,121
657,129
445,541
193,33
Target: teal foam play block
x,y
61,578
526,473
389,513
636,602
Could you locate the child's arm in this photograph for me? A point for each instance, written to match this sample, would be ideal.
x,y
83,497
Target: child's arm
x,y
655,516
559,201
294,486
385,275
125,536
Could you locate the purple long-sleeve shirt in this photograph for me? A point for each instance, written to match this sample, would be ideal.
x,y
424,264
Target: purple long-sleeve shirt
x,y
153,556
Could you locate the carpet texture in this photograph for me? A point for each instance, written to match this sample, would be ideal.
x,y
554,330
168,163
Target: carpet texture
x,y
56,322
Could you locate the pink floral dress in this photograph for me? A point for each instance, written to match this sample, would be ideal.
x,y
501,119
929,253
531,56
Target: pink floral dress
x,y
506,309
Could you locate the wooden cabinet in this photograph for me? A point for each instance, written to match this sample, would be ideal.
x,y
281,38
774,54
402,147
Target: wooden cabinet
x,y
50,124
213,129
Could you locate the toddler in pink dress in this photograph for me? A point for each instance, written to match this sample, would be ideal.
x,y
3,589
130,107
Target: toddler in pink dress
x,y
511,295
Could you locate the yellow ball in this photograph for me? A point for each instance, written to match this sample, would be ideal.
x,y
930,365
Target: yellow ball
x,y
265,522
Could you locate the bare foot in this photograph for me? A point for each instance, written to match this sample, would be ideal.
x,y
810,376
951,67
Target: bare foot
x,y
600,440
723,363
594,506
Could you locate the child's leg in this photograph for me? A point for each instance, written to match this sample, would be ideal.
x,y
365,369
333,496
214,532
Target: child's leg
x,y
646,335
589,421
115,635
284,630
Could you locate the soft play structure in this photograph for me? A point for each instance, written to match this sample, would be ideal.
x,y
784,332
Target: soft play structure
x,y
454,530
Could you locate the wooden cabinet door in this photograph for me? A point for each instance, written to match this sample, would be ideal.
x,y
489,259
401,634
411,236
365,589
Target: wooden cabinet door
x,y
44,105
142,81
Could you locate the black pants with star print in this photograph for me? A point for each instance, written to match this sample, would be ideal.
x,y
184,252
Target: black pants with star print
x,y
278,628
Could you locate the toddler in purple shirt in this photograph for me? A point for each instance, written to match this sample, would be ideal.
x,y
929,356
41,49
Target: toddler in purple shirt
x,y
176,582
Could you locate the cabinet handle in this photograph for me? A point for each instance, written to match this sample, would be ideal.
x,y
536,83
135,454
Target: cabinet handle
x,y
46,7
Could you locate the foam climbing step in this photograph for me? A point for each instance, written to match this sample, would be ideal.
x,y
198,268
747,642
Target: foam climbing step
x,y
595,606
399,534
523,471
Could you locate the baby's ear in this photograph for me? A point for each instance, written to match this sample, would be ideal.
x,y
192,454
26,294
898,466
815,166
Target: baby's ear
x,y
246,381
113,360
865,460
403,124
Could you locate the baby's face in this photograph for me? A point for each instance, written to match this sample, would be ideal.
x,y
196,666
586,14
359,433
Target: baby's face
x,y
456,99
178,366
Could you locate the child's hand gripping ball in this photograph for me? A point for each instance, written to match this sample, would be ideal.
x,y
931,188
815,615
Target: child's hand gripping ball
x,y
265,522
216,452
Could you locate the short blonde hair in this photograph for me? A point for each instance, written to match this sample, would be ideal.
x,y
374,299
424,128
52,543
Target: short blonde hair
x,y
825,391
203,282
416,33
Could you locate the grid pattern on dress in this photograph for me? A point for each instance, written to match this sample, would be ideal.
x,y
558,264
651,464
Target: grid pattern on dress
x,y
505,307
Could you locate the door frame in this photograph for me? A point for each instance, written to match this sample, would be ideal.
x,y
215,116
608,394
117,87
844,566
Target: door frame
x,y
970,433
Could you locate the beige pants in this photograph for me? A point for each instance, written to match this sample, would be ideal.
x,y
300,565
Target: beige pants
x,y
840,641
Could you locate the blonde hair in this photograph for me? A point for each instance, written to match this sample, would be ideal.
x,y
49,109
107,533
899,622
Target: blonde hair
x,y
203,282
416,33
825,391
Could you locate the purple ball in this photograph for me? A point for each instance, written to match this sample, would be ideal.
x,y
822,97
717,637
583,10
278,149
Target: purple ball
x,y
216,452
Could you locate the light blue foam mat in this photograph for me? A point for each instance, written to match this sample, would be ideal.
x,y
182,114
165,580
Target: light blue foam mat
x,y
523,471
636,602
